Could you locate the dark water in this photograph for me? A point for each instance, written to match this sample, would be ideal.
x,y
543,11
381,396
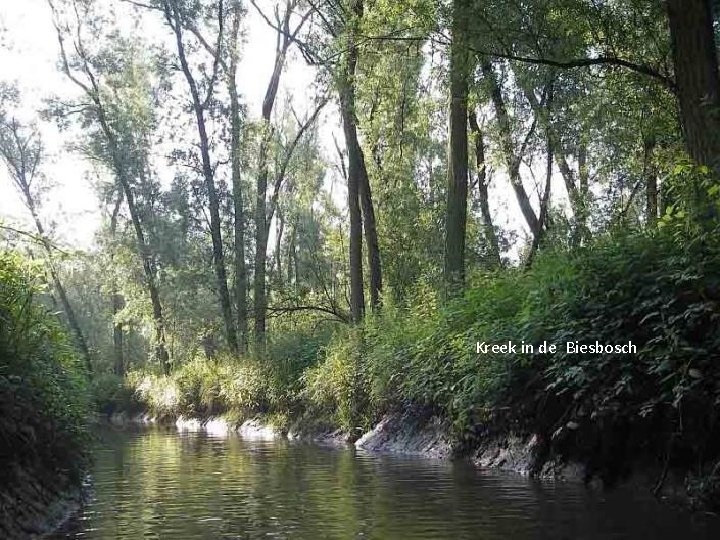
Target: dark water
x,y
161,484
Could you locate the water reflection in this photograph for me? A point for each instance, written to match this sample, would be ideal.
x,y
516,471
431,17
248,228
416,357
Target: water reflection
x,y
161,484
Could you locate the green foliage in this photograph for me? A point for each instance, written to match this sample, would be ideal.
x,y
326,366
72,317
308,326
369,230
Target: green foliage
x,y
204,387
110,393
337,387
288,355
43,395
659,290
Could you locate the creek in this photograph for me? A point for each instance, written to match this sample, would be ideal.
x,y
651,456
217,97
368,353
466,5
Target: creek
x,y
161,483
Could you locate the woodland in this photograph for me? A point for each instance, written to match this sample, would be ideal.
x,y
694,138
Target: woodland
x,y
537,170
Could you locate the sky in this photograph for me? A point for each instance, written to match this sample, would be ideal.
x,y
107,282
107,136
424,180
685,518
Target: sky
x,y
29,55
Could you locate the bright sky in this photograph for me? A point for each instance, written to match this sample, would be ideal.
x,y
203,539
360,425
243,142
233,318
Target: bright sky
x,y
28,56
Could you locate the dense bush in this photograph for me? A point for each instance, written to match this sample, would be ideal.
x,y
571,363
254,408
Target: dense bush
x,y
660,290
43,394
204,387
110,393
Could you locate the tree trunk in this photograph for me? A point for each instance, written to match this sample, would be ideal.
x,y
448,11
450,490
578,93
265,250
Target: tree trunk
x,y
545,200
149,270
358,167
357,172
371,237
66,306
483,197
148,265
238,206
278,250
696,75
575,192
261,242
457,175
512,158
290,255
119,357
651,188
262,226
584,191
208,175
118,302
357,292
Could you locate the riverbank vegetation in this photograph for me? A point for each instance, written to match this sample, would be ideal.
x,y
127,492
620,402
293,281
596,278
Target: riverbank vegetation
x,y
43,402
418,177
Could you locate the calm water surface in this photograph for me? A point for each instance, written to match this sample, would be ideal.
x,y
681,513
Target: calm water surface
x,y
157,483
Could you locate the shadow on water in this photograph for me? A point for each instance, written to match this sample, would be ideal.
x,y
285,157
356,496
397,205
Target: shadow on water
x,y
157,483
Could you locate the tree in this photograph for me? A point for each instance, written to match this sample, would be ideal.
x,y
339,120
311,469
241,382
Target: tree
x,y
237,188
457,184
482,182
513,156
22,150
121,149
262,224
179,17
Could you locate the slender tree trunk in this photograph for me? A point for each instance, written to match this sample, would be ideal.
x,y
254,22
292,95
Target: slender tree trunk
x,y
544,202
457,175
483,197
262,225
696,75
575,192
66,306
148,264
357,291
290,256
149,270
118,302
651,188
512,158
371,237
118,349
358,167
583,173
239,221
278,250
208,175
261,242
584,190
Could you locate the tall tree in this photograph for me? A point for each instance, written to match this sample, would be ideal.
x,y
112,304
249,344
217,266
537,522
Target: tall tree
x,y
356,161
513,156
457,176
179,18
284,40
357,168
237,188
124,154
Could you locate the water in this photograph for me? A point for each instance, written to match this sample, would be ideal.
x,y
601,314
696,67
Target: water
x,y
157,483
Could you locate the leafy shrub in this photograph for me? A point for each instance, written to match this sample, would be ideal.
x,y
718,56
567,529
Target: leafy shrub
x,y
43,392
204,387
338,387
110,394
